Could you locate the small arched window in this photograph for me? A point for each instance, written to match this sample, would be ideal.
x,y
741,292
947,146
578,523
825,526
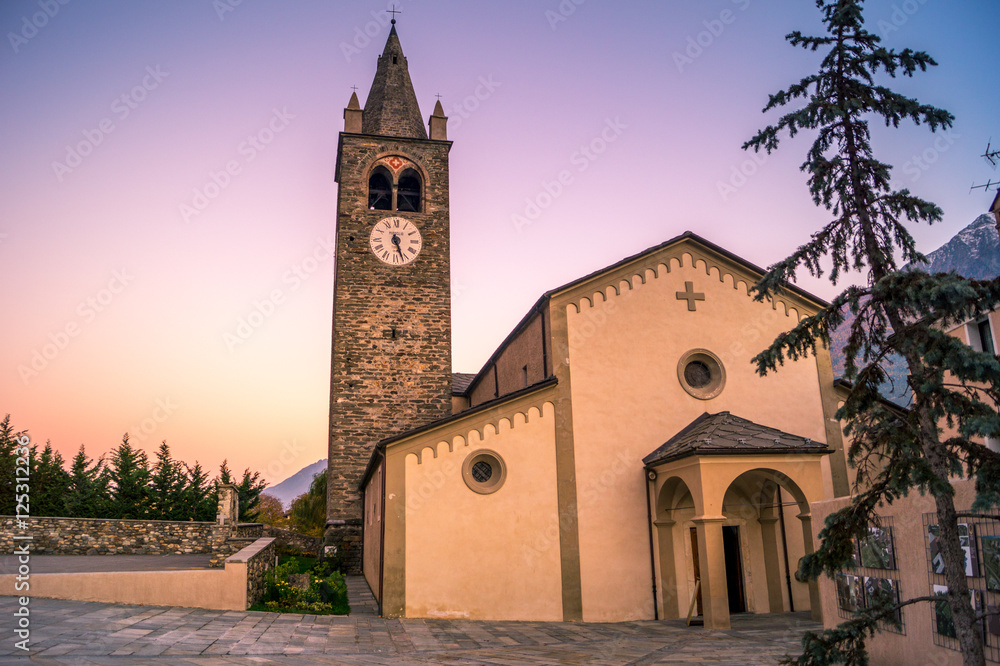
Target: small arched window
x,y
380,190
408,192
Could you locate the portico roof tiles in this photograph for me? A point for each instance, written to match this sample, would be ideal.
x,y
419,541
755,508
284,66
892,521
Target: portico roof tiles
x,y
725,433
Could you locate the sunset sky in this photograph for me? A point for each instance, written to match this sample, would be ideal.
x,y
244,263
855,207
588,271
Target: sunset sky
x,y
131,262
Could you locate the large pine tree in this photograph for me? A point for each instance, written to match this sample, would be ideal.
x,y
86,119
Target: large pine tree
x,y
49,482
129,476
904,313
167,482
87,496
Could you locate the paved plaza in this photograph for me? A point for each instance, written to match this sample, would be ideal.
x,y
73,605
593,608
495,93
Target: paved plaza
x,y
76,632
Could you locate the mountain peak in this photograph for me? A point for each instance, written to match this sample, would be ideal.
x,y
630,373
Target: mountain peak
x,y
974,252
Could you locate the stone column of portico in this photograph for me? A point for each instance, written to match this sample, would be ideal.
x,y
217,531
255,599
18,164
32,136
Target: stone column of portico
x,y
712,565
670,605
807,541
772,569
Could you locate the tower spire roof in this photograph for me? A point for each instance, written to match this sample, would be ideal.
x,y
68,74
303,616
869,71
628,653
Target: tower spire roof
x,y
391,108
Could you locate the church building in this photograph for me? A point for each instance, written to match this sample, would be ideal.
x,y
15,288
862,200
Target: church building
x,y
617,457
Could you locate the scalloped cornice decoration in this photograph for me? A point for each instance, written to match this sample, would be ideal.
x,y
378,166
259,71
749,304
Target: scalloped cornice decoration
x,y
657,266
490,423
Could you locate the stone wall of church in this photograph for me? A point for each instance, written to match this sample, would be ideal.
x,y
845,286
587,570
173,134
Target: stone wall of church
x,y
391,359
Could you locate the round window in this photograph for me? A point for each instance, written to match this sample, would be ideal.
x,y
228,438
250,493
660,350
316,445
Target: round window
x,y
697,374
701,374
484,472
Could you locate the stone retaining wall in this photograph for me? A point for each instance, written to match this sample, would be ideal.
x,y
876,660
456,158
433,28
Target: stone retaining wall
x,y
104,536
304,542
249,531
259,558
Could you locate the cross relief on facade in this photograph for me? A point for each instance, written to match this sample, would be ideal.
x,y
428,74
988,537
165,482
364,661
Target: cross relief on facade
x,y
690,296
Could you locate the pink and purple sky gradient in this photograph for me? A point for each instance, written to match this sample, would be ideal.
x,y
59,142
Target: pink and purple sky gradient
x,y
131,296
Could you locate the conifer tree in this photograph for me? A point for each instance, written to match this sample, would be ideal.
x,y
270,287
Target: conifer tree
x,y
906,313
8,443
49,482
198,499
87,495
167,483
128,473
249,489
225,476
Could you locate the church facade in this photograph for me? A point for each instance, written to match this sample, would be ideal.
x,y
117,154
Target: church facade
x,y
617,458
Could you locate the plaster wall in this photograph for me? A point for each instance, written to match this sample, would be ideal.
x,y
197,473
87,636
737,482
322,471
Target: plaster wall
x,y
373,530
627,400
523,353
208,588
486,557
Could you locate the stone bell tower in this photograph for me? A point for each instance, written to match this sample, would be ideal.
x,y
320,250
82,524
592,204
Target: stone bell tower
x,y
391,361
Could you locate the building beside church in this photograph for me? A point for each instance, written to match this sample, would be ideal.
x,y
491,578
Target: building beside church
x,y
617,458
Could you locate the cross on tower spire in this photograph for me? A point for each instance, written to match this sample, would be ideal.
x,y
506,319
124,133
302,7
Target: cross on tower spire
x,y
394,11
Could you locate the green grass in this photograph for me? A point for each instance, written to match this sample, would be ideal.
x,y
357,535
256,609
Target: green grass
x,y
302,563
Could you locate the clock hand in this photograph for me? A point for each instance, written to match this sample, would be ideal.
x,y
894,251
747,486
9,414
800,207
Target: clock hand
x,y
395,241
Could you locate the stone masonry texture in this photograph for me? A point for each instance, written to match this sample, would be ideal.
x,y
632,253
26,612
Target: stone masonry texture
x,y
100,536
391,360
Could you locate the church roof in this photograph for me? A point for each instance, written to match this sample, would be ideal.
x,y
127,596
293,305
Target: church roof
x,y
724,433
542,303
391,108
460,382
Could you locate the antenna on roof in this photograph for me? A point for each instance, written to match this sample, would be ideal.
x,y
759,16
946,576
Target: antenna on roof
x,y
993,157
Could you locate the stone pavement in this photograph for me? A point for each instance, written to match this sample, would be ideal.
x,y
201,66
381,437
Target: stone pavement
x,y
76,632
360,596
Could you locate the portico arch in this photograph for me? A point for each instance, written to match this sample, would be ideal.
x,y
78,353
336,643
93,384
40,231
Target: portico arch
x,y
674,508
734,483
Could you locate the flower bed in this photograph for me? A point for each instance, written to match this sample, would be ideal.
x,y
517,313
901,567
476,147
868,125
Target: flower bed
x,y
318,591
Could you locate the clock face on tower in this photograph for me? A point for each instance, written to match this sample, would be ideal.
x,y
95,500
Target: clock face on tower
x,y
395,241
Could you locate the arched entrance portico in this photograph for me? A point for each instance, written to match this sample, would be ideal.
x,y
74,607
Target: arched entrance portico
x,y
739,522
